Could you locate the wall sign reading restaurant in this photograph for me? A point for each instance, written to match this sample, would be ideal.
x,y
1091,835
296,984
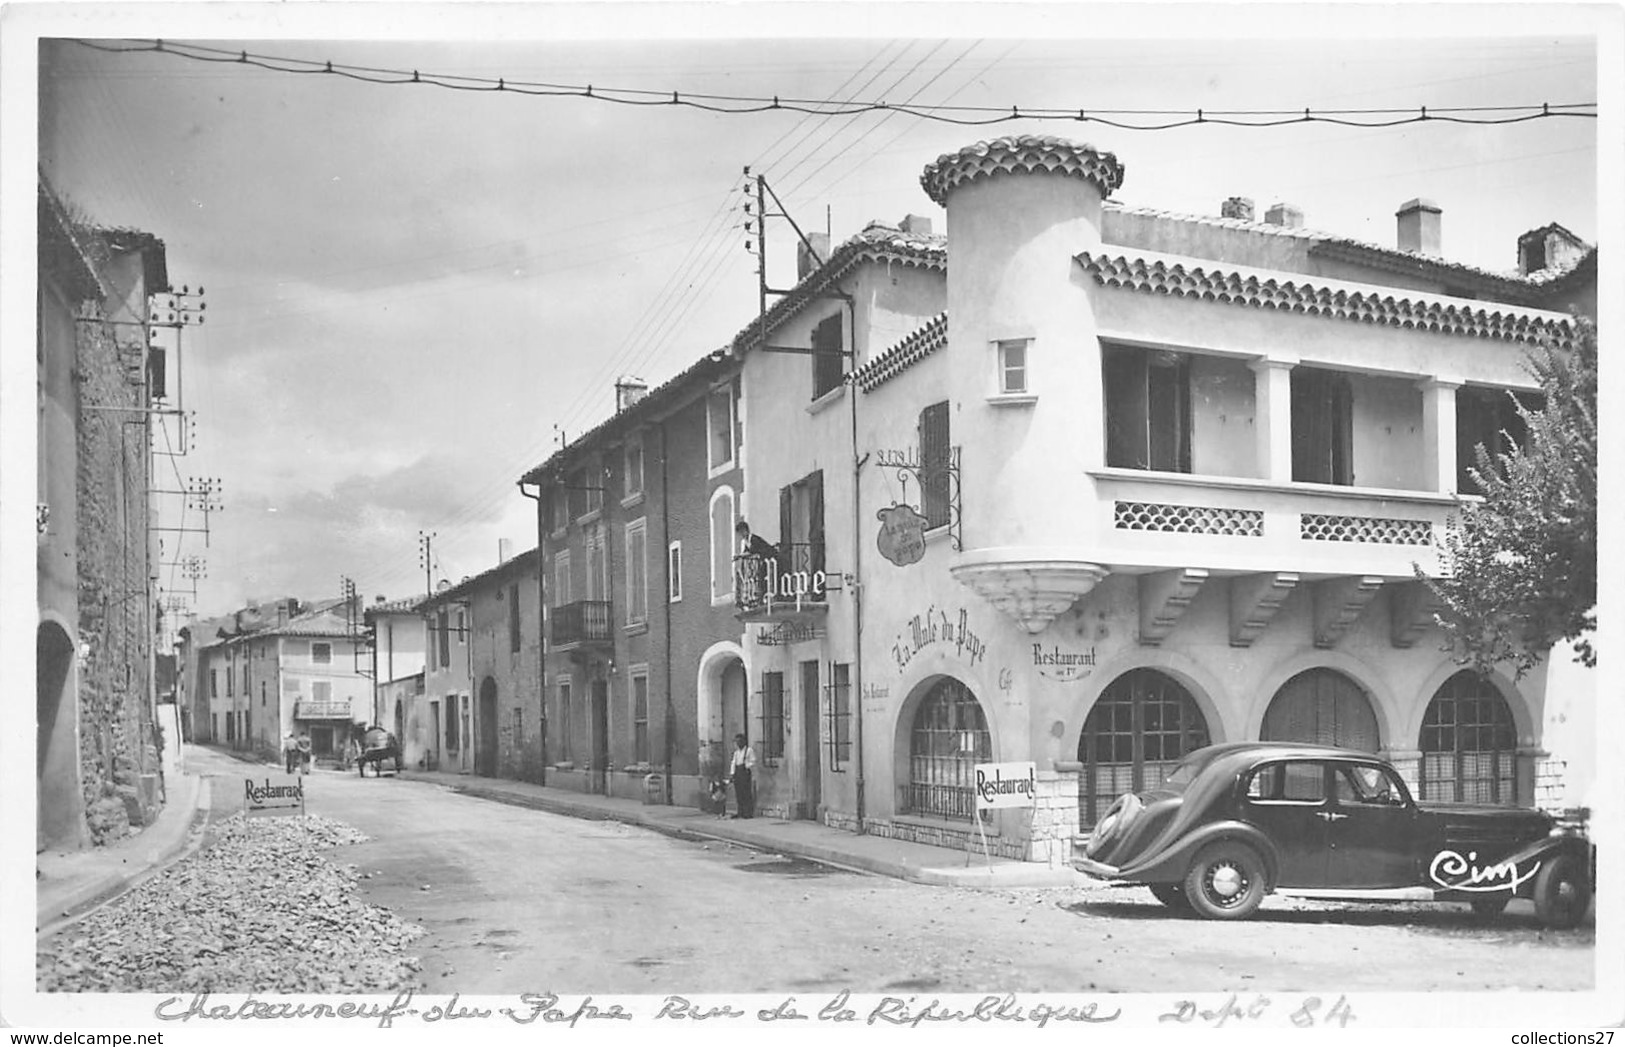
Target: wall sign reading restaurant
x,y
785,633
1065,666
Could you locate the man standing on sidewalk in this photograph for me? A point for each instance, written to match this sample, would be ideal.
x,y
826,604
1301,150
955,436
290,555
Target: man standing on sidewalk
x,y
741,771
290,752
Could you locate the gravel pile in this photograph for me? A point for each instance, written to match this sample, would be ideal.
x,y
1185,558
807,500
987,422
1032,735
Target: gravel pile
x,y
259,910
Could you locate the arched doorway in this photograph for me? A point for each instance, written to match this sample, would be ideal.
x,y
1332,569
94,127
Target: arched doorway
x,y
58,812
1142,724
1324,707
1469,744
735,710
947,738
485,757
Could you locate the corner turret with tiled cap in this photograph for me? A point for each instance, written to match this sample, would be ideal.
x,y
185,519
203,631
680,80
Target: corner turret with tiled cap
x,y
1020,209
1021,154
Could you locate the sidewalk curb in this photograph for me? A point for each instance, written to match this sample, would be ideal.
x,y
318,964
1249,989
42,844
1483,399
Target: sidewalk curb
x,y
974,876
175,839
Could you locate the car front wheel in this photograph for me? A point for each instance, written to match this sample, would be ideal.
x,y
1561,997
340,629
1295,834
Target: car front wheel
x,y
1226,882
1562,892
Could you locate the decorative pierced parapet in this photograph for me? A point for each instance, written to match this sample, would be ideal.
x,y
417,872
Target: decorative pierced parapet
x,y
1164,595
1188,519
1326,527
1410,612
1338,604
1254,599
1030,588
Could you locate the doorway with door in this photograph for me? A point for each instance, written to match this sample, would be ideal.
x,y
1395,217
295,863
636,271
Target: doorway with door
x,y
485,754
811,769
600,736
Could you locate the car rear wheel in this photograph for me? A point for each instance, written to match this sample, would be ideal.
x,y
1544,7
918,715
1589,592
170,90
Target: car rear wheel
x,y
1172,895
1113,825
1562,892
1226,882
1490,908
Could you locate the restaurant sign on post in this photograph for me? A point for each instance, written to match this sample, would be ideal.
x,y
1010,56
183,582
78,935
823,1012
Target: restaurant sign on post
x,y
274,793
1002,785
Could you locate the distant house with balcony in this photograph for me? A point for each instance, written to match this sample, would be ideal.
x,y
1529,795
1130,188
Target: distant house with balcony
x,y
645,673
1101,485
281,666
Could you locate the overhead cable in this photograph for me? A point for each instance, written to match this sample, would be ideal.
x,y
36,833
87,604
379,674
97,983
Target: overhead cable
x,y
964,115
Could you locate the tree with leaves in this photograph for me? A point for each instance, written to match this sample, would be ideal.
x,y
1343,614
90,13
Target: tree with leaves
x,y
1520,567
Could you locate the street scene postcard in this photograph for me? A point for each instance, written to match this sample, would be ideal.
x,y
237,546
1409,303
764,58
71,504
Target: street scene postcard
x,y
618,520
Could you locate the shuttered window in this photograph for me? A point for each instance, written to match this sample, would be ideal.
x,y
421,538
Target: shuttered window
x,y
1322,427
934,460
1147,409
828,364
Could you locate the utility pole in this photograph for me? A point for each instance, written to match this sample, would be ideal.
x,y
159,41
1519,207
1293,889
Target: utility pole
x,y
426,559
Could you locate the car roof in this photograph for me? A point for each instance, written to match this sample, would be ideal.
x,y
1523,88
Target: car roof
x,y
1239,753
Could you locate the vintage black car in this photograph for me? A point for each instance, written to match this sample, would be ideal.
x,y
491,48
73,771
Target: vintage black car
x,y
378,745
1232,823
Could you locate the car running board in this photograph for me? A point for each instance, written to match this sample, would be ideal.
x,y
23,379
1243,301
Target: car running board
x,y
1355,894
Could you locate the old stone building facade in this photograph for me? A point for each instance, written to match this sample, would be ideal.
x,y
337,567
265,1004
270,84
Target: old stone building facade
x,y
99,769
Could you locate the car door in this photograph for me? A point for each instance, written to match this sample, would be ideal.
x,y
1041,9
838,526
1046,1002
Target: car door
x,y
1287,801
1373,829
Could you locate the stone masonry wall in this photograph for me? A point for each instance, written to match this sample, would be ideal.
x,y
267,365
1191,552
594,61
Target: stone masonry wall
x,y
118,758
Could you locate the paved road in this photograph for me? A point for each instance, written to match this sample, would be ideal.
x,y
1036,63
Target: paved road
x,y
518,900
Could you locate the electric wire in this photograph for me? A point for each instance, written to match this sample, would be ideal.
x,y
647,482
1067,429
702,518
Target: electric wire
x,y
947,114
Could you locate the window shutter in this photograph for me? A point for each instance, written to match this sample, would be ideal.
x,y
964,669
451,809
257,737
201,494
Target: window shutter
x,y
933,430
815,520
786,528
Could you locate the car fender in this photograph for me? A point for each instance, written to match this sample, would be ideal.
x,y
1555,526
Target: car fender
x,y
1170,865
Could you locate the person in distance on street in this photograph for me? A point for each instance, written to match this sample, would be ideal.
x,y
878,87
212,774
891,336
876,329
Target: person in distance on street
x,y
742,772
290,751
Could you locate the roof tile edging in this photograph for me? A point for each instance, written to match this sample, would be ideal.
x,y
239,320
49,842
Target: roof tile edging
x,y
1152,275
914,347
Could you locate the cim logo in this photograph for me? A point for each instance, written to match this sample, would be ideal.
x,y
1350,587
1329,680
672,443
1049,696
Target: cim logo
x,y
1449,869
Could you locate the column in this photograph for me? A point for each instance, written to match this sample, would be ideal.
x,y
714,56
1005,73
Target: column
x,y
1439,433
1272,415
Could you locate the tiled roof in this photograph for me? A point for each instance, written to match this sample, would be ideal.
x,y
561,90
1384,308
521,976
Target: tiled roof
x,y
1512,287
467,585
403,605
707,367
1021,154
905,354
877,243
1331,299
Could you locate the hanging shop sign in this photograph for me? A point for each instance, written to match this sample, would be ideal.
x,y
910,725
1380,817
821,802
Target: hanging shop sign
x,y
1006,784
787,632
933,628
274,791
902,534
1063,666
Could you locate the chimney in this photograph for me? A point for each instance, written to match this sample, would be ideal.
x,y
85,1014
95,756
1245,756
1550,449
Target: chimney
x,y
805,263
504,550
628,391
1238,207
1284,215
1419,227
917,225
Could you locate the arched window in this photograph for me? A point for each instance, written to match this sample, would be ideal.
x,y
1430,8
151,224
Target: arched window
x,y
1323,707
1469,745
1142,724
949,738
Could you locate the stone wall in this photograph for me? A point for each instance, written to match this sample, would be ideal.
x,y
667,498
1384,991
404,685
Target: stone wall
x,y
118,757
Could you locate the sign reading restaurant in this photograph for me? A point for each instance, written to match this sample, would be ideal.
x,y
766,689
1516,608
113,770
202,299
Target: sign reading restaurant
x,y
1065,666
285,791
1006,784
785,633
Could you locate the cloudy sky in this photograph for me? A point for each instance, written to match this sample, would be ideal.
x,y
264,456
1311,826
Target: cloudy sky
x,y
412,290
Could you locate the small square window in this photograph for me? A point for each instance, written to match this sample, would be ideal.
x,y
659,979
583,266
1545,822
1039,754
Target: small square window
x,y
1013,367
321,653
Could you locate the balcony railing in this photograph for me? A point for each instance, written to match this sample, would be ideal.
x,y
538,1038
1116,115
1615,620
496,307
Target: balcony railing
x,y
311,710
585,621
794,576
957,802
